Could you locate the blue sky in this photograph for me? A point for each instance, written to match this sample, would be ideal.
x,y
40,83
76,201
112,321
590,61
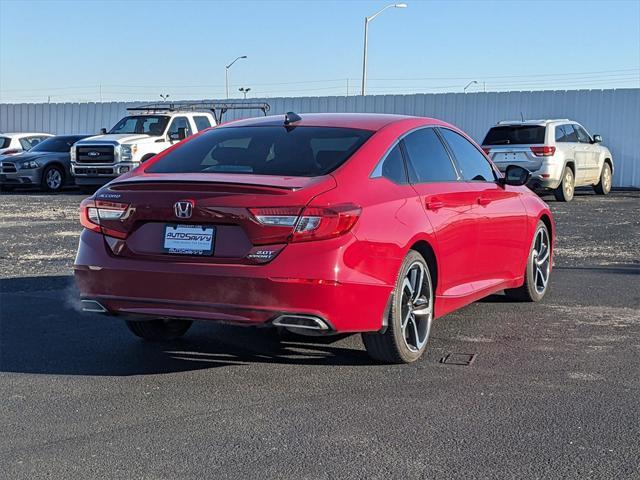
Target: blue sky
x,y
136,50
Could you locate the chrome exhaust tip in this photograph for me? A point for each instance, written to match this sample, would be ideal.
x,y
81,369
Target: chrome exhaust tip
x,y
306,322
92,306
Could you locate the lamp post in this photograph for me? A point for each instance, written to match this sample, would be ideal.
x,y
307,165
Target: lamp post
x,y
244,90
164,97
366,40
472,82
226,74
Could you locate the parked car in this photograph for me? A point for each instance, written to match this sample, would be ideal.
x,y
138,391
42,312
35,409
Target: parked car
x,y
560,154
14,143
320,223
46,165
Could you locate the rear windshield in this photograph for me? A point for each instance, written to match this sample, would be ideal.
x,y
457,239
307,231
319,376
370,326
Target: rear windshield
x,y
266,150
5,142
514,135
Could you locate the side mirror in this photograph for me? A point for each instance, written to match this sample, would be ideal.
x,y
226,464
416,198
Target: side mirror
x,y
516,176
597,139
103,131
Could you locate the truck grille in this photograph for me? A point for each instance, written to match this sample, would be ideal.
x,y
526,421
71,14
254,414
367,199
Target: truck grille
x,y
95,154
8,167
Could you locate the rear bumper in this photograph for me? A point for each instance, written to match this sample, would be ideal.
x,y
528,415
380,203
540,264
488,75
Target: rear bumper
x,y
305,279
548,176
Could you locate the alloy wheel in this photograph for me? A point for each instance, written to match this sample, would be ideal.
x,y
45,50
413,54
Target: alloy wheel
x,y
417,307
568,183
606,178
541,259
54,179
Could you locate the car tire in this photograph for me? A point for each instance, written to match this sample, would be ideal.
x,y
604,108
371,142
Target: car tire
x,y
566,189
537,273
409,322
52,178
603,187
159,330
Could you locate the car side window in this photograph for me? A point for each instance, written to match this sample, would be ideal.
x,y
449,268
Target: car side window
x,y
473,164
428,157
570,132
27,143
561,134
583,136
393,166
202,122
180,122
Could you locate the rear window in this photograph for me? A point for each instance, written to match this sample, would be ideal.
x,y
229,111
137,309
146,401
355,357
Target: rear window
x,y
515,135
268,150
5,142
202,123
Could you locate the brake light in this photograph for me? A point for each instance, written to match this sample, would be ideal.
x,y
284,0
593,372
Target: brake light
x,y
544,151
313,223
94,212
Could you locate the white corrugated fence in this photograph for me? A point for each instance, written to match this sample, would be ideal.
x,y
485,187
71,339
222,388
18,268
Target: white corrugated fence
x,y
615,114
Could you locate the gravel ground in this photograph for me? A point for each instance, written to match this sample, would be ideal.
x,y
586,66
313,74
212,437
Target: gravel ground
x,y
552,393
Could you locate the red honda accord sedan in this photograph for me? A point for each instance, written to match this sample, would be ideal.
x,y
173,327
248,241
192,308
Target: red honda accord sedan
x,y
318,223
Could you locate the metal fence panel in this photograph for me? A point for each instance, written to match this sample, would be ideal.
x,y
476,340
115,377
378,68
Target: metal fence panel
x,y
615,114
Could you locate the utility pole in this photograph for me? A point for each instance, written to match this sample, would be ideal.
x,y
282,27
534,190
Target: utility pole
x,y
226,74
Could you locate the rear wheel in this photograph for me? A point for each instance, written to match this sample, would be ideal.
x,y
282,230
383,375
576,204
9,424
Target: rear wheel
x,y
409,322
159,330
564,192
536,277
52,178
604,186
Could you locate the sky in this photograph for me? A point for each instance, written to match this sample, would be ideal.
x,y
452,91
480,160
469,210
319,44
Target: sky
x,y
137,50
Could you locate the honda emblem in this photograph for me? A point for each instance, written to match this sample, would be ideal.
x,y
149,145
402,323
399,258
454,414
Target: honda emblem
x,y
183,209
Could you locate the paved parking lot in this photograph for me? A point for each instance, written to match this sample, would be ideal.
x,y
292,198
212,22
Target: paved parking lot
x,y
553,391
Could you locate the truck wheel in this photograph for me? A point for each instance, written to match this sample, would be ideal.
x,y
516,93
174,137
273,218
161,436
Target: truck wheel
x,y
564,192
409,322
52,179
159,330
603,187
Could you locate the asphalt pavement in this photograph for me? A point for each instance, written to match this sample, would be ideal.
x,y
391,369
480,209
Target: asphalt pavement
x,y
553,389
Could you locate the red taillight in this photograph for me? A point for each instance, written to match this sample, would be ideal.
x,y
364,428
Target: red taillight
x,y
312,223
320,223
543,151
93,213
486,150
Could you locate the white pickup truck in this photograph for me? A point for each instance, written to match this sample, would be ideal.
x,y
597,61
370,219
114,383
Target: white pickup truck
x,y
148,130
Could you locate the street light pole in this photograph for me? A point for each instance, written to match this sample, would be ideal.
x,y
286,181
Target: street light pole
x,y
226,74
472,82
366,41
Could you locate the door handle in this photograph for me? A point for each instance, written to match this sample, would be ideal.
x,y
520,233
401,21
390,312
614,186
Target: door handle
x,y
484,201
433,203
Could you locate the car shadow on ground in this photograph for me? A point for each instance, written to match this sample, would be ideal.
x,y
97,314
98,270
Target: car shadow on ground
x,y
43,332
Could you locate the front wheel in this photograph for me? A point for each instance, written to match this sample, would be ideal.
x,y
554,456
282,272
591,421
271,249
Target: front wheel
x,y
409,321
536,276
159,330
604,186
53,179
564,192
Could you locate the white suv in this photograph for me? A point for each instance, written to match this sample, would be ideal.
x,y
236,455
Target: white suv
x,y
559,153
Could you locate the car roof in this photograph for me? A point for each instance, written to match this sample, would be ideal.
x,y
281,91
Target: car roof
x,y
24,134
534,122
363,121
